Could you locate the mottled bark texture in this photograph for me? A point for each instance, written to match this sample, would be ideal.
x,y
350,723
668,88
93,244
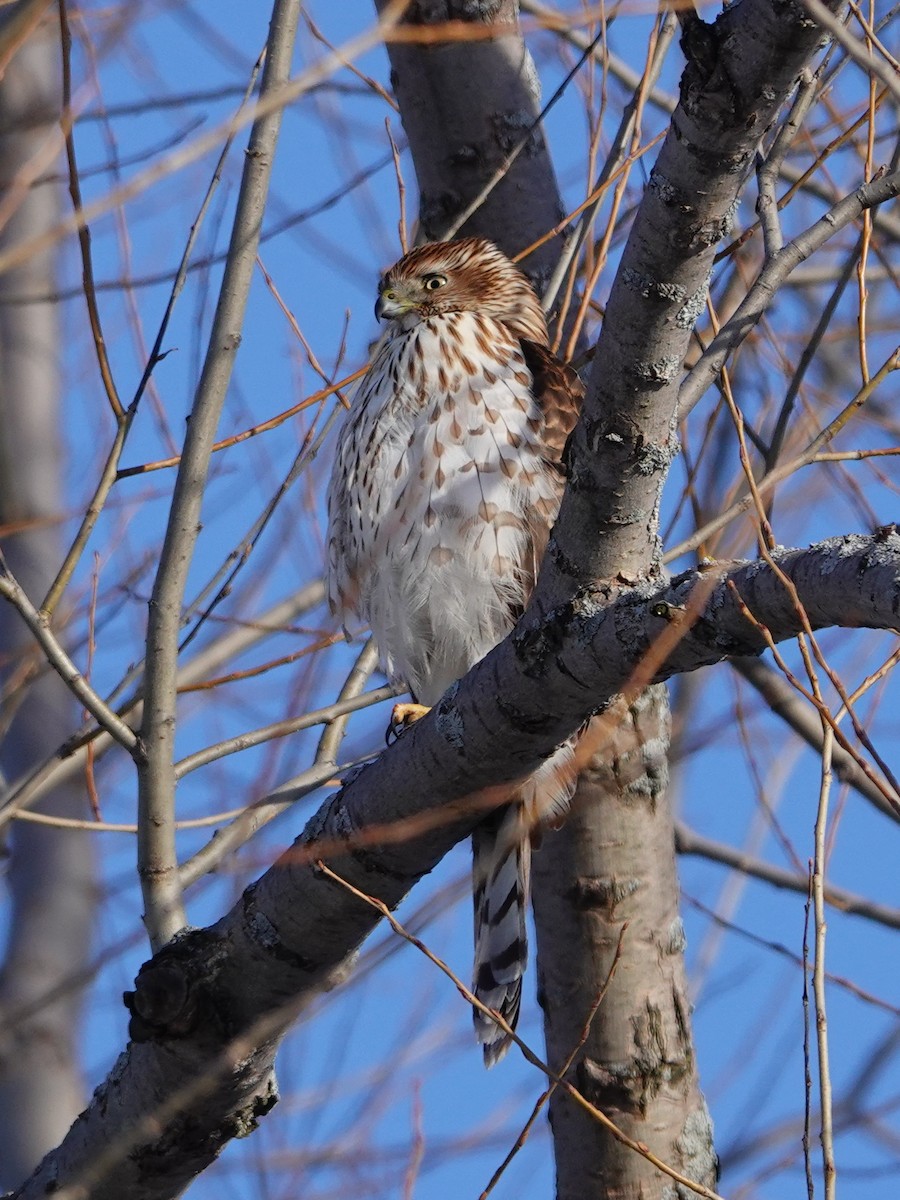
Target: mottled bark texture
x,y
50,877
638,1063
738,74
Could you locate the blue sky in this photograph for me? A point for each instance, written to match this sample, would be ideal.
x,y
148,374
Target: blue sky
x,y
390,1058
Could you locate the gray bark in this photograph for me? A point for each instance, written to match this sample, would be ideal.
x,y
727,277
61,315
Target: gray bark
x,y
209,1008
638,1061
50,877
638,1064
157,858
466,107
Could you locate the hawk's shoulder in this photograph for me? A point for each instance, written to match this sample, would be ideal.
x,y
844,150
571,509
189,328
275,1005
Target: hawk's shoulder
x,y
559,393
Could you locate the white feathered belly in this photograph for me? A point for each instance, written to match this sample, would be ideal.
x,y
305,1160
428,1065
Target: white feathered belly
x,y
440,482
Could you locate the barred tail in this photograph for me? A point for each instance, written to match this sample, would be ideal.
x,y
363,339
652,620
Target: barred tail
x,y
500,872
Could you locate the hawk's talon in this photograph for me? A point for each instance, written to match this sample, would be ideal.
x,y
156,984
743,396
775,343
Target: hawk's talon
x,y
402,716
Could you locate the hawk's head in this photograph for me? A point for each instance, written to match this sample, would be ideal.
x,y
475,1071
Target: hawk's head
x,y
470,275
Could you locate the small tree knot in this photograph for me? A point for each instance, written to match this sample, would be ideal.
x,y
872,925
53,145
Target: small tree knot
x,y
173,991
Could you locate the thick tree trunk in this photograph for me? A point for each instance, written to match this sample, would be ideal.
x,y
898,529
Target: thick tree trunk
x,y
466,108
51,877
607,881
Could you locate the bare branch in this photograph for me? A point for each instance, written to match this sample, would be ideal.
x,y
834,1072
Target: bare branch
x,y
125,418
67,761
800,716
280,729
885,72
777,475
688,841
157,861
773,274
39,625
324,766
275,101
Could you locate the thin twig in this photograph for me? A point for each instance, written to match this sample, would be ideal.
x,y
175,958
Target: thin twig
x,y
688,841
772,478
110,473
886,72
888,786
769,167
771,278
323,767
809,350
807,1060
611,62
263,427
629,132
789,704
274,101
84,233
272,664
401,189
223,579
598,1115
618,161
547,1093
89,778
98,826
280,729
56,656
360,673
782,951
417,1148
872,36
68,760
369,82
818,894
503,170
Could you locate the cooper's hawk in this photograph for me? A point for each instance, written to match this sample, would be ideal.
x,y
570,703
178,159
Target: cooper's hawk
x,y
445,485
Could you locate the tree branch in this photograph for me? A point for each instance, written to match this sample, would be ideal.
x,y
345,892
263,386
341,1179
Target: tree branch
x,y
688,841
787,703
65,763
157,860
731,90
773,275
294,931
62,664
210,1005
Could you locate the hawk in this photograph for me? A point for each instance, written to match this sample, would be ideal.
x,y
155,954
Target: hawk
x,y
446,483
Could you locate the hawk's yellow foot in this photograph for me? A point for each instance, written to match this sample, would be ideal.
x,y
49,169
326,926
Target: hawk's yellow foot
x,y
402,716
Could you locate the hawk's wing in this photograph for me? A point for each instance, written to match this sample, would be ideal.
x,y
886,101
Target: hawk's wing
x,y
559,393
501,843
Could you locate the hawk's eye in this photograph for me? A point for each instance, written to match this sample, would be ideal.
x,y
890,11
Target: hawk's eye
x,y
389,295
433,282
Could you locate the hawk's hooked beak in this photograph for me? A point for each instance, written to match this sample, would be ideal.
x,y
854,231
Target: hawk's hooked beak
x,y
389,306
